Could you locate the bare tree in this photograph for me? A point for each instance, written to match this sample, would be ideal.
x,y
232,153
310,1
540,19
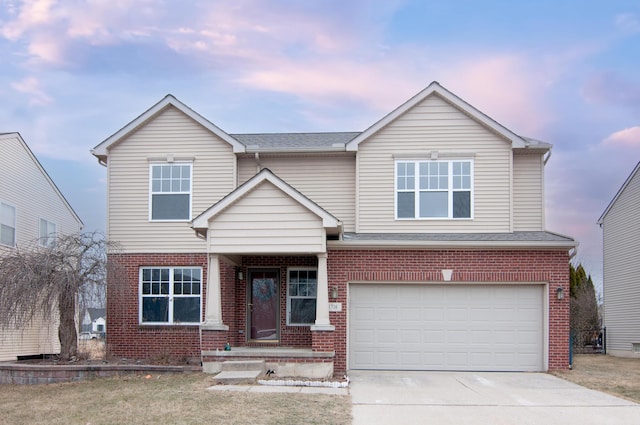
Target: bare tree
x,y
38,281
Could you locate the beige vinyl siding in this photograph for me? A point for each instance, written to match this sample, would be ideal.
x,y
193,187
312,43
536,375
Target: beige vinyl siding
x,y
23,185
266,220
528,192
41,337
621,227
434,125
213,176
329,180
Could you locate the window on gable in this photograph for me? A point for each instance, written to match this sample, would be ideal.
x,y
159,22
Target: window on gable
x,y
46,233
7,224
170,192
302,286
170,295
434,189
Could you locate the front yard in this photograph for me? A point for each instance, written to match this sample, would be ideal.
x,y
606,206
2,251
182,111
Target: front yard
x,y
168,399
613,375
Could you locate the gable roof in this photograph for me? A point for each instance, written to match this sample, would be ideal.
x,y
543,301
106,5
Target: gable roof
x,y
6,136
622,188
436,89
101,149
201,222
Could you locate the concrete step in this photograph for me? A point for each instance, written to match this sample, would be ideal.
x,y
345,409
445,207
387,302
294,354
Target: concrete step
x,y
244,365
236,377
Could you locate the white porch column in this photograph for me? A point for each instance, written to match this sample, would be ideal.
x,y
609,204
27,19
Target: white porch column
x,y
322,297
213,309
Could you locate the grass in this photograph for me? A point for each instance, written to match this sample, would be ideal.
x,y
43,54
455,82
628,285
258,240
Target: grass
x,y
167,399
614,375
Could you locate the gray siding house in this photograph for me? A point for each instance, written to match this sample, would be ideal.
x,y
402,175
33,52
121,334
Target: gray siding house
x,y
620,223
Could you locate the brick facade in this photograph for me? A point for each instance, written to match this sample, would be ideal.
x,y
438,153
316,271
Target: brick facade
x,y
126,337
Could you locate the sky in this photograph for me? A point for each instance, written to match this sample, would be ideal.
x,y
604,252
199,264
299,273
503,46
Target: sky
x,y
566,72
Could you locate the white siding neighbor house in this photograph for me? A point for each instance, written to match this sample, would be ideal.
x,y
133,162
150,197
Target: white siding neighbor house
x,y
418,243
620,223
31,207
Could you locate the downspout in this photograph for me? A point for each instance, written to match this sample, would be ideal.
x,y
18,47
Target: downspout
x,y
256,155
546,159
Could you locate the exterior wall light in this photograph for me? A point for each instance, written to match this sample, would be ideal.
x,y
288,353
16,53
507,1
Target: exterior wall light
x,y
240,275
334,292
560,293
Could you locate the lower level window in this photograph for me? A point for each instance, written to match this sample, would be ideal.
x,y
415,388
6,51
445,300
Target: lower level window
x,y
170,295
302,286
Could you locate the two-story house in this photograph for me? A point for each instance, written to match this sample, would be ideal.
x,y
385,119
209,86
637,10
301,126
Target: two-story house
x,y
416,244
32,208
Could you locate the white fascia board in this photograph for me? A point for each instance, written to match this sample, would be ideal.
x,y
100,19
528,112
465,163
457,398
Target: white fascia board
x,y
618,193
101,149
436,88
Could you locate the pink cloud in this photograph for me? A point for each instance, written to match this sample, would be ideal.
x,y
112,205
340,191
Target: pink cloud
x,y
31,87
627,138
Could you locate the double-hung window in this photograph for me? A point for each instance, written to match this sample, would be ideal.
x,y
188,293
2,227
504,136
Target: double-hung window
x,y
434,189
7,224
170,192
302,287
170,295
46,233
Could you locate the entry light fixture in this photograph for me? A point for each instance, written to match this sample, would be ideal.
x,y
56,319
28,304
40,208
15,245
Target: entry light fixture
x,y
240,275
560,293
334,292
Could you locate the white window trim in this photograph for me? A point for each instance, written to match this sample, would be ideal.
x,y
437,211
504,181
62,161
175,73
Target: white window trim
x,y
43,240
170,295
289,297
151,193
15,224
416,190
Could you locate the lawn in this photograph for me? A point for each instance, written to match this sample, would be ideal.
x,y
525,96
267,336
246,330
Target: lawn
x,y
614,375
166,399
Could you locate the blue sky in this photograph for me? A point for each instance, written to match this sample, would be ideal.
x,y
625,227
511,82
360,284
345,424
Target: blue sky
x,y
566,72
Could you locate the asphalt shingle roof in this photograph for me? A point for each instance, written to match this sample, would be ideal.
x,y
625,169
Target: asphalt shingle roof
x,y
294,141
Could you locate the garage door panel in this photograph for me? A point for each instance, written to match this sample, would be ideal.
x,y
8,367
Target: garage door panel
x,y
446,327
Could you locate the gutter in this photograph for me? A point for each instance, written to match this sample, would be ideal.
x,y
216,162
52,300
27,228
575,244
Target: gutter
x,y
491,245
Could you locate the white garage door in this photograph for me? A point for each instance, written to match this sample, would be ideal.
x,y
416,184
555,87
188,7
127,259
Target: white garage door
x,y
446,327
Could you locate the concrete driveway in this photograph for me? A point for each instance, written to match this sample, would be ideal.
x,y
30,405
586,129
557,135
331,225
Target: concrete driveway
x,y
469,398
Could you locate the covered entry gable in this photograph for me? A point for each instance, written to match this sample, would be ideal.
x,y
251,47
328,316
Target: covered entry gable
x,y
266,215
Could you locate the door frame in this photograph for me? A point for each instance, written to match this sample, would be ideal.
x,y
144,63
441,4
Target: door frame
x,y
249,284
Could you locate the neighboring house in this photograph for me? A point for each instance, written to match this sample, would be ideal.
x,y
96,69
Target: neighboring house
x,y
31,208
94,320
417,244
620,223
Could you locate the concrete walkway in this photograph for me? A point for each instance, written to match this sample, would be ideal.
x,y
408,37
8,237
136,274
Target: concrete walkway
x,y
470,398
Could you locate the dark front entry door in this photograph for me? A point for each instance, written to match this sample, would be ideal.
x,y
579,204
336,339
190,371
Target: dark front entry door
x,y
263,304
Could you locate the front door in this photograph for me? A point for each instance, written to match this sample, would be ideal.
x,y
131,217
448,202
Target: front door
x,y
263,304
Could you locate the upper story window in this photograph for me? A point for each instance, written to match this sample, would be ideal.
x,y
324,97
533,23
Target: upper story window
x,y
170,295
46,233
7,224
434,189
302,287
170,192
